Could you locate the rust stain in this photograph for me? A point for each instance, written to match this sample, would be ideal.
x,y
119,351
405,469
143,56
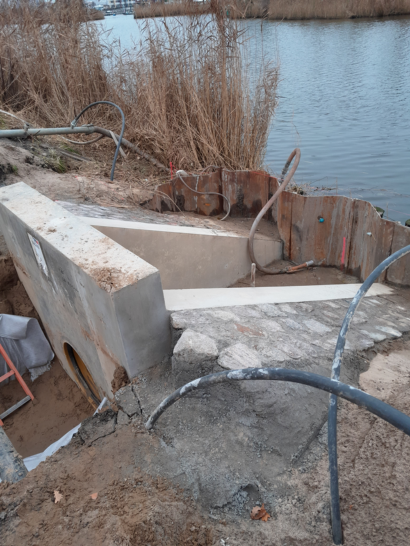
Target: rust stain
x,y
248,331
103,348
19,266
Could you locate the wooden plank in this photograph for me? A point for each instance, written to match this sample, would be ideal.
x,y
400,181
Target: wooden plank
x,y
247,192
162,192
319,225
210,205
284,221
399,272
273,187
234,184
184,198
207,205
159,202
371,240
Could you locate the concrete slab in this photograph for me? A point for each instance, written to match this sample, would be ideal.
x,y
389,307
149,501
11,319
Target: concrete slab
x,y
176,300
189,257
90,292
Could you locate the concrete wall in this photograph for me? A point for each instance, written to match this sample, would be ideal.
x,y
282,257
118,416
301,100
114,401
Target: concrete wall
x,y
107,303
190,257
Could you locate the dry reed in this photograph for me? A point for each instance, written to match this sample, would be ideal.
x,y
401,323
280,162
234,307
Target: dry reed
x,y
318,9
282,9
185,90
170,9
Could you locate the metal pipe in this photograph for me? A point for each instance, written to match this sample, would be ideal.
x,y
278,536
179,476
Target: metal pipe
x,y
31,131
132,146
12,467
294,155
332,414
109,103
356,396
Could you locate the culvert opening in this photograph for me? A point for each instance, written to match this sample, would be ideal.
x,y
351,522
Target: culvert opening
x,y
83,376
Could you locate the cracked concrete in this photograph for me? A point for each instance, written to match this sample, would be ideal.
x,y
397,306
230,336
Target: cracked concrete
x,y
232,443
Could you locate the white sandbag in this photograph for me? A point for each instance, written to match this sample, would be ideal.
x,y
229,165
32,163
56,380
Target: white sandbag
x,y
25,344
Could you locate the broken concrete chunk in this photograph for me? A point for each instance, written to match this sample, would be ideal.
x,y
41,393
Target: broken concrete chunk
x,y
194,356
317,327
239,356
272,310
391,331
122,419
195,347
127,401
219,314
292,324
374,335
288,308
179,321
97,426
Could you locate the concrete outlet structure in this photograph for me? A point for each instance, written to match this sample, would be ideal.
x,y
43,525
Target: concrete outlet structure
x,y
101,305
189,257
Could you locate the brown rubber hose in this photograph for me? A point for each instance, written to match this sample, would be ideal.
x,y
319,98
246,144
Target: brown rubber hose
x,y
294,155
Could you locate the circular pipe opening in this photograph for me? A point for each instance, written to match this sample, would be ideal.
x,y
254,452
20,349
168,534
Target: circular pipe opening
x,y
84,378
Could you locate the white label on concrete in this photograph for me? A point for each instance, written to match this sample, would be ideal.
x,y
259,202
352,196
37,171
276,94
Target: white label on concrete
x,y
38,253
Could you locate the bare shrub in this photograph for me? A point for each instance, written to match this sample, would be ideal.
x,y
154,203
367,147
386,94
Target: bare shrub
x,y
185,90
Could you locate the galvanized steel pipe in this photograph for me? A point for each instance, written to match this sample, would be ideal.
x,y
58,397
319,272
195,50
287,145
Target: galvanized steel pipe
x,y
31,131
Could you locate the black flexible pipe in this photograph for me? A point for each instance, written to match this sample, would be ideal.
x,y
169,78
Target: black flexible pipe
x,y
75,121
332,414
379,408
283,183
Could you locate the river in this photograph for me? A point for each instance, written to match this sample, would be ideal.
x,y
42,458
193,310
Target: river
x,y
344,99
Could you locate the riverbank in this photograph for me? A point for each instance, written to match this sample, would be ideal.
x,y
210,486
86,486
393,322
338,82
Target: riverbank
x,y
279,10
42,14
178,108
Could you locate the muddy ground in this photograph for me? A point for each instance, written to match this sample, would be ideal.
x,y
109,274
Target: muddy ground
x,y
133,508
305,277
41,165
58,406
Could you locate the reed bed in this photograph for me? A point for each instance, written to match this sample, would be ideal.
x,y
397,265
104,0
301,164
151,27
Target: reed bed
x,y
336,9
283,9
185,89
170,9
317,9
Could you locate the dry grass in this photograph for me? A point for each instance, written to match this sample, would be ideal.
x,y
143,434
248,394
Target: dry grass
x,y
170,9
318,9
283,9
185,90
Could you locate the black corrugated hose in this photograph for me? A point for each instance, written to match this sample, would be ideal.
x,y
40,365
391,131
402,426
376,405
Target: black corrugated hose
x,y
332,416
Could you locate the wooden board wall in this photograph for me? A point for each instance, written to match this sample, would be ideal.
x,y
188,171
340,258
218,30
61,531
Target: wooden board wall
x,y
312,228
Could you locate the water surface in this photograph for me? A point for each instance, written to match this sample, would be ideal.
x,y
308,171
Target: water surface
x,y
344,100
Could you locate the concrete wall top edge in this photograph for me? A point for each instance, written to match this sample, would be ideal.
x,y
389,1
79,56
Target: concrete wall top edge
x,y
102,222
75,239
